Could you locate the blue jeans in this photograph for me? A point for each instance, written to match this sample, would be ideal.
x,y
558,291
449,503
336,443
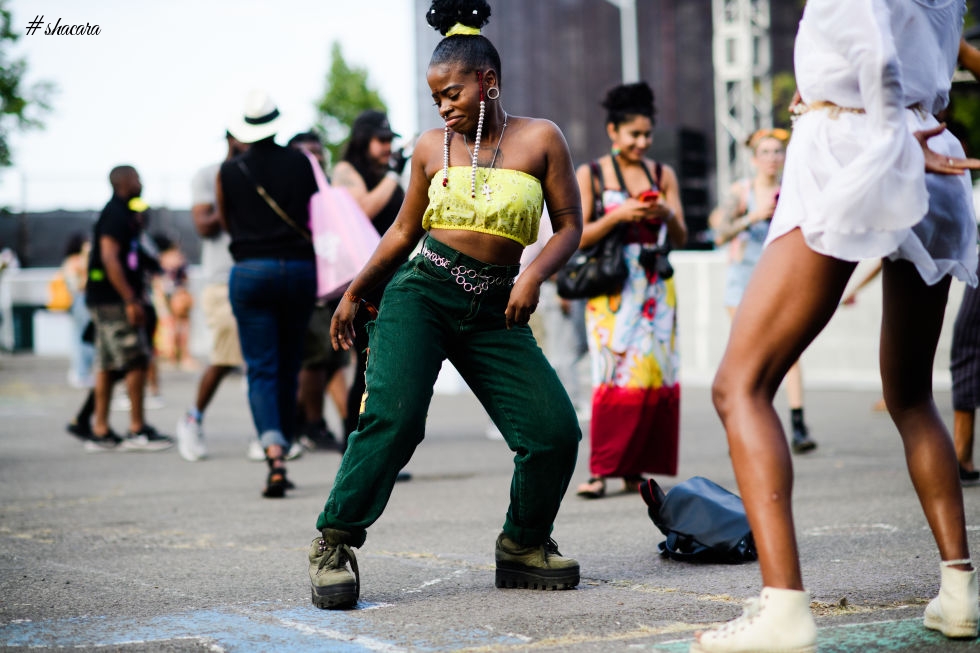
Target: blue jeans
x,y
82,353
272,300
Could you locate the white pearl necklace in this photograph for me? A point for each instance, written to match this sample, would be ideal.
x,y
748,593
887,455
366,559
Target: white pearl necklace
x,y
476,149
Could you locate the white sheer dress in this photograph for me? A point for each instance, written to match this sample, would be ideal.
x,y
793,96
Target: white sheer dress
x,y
855,181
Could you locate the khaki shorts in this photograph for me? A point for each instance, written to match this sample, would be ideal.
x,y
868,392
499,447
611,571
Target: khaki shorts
x,y
225,349
318,353
118,344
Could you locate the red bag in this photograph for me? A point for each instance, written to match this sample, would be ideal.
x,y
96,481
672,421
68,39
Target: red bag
x,y
343,236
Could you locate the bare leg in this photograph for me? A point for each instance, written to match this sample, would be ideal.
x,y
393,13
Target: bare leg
x,y
135,387
773,325
963,425
338,392
794,386
209,385
794,377
312,385
104,380
153,376
911,321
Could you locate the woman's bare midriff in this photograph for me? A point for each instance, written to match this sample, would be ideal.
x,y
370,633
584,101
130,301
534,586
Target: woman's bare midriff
x,y
493,250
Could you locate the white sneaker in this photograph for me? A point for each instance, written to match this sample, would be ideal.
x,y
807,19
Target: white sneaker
x,y
778,621
255,452
954,612
295,451
190,439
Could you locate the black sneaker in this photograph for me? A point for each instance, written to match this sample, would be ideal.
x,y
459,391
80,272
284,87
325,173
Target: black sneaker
x,y
146,439
315,436
108,442
801,440
968,477
82,431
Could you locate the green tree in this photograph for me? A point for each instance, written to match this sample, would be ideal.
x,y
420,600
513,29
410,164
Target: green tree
x,y
20,106
783,88
347,94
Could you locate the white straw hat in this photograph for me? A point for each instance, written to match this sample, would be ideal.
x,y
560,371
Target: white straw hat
x,y
260,119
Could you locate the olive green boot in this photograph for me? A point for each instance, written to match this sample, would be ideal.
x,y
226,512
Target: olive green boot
x,y
534,567
333,587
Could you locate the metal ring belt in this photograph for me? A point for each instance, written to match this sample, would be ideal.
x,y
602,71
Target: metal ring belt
x,y
471,280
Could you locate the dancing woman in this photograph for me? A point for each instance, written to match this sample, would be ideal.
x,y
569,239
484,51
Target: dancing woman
x,y
871,73
476,194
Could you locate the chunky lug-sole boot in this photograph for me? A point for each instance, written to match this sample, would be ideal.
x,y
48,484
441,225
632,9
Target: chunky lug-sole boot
x,y
954,612
779,621
539,567
332,586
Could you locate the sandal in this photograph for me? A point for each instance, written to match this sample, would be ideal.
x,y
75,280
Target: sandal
x,y
277,483
631,484
594,488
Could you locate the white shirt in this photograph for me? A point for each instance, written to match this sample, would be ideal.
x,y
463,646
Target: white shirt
x,y
855,183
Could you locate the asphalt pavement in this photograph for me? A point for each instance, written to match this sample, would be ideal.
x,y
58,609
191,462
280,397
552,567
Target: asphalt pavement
x,y
147,552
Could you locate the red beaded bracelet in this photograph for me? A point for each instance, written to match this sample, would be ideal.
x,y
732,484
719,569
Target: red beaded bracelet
x,y
351,297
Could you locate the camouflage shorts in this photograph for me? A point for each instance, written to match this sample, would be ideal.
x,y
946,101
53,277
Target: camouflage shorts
x,y
118,344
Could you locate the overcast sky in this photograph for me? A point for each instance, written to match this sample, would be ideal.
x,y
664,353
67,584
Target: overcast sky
x,y
156,87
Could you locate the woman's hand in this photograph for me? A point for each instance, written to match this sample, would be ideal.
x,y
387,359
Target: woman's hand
x,y
524,298
937,163
660,211
342,325
633,210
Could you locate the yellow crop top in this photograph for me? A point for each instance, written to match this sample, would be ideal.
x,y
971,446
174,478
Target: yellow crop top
x,y
513,209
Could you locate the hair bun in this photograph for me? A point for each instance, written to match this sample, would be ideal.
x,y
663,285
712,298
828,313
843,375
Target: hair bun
x,y
443,14
631,98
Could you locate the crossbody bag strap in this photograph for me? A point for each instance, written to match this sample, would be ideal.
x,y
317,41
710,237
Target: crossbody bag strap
x,y
658,168
305,233
597,187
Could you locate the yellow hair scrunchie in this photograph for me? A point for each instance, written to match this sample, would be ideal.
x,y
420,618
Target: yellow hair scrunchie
x,y
460,28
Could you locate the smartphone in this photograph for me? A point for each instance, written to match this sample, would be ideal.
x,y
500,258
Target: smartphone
x,y
649,196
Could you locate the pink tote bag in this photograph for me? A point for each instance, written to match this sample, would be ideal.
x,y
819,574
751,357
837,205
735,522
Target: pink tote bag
x,y
343,236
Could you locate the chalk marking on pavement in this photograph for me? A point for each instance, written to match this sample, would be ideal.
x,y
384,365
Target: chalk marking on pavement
x,y
851,529
573,639
435,581
368,643
230,629
893,635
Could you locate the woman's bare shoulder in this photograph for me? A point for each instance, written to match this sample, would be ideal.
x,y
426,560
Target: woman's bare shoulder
x,y
538,127
428,150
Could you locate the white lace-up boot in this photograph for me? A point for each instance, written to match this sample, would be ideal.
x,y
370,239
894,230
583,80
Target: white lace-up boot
x,y
779,621
954,612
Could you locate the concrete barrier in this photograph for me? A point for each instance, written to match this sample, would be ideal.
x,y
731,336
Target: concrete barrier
x,y
845,355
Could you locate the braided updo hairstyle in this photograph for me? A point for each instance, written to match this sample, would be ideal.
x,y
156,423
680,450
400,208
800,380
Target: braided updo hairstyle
x,y
473,51
627,101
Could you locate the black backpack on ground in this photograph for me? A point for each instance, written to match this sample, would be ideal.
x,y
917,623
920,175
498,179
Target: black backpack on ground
x,y
703,522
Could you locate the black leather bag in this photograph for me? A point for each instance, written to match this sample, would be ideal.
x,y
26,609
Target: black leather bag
x,y
599,269
703,522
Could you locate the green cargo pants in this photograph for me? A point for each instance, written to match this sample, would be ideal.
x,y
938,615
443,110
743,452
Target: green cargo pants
x,y
426,317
